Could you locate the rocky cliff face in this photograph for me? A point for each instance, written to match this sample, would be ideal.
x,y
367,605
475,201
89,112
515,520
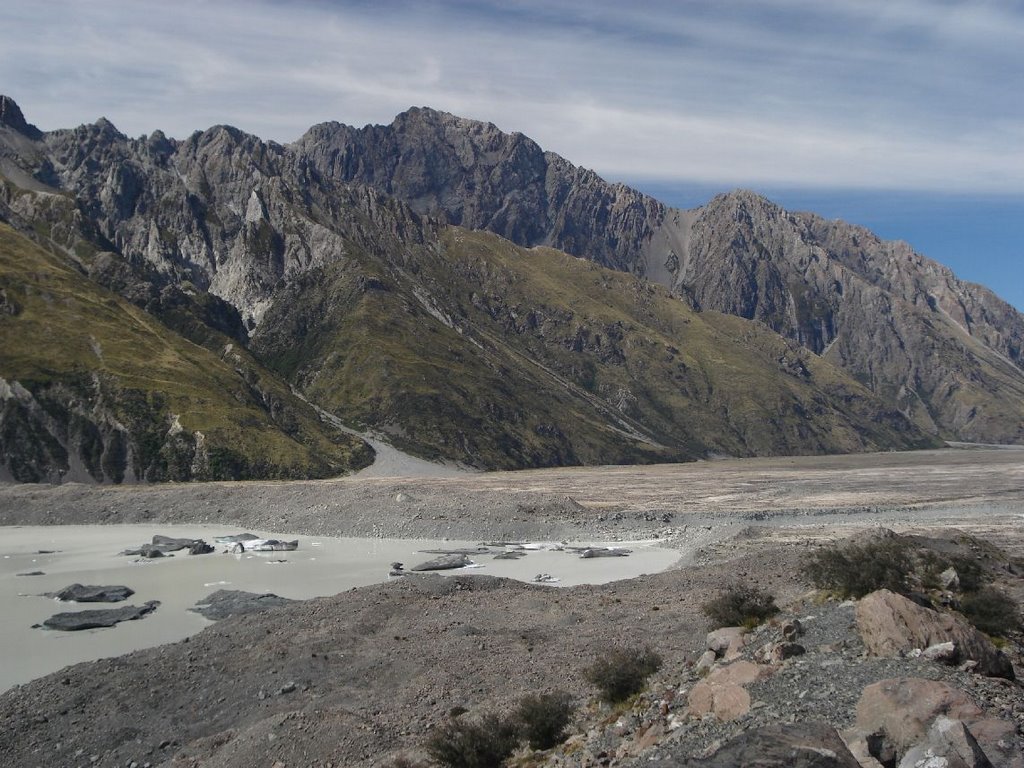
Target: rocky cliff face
x,y
902,324
334,260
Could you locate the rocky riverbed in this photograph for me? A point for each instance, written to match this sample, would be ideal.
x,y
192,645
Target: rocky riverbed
x,y
363,677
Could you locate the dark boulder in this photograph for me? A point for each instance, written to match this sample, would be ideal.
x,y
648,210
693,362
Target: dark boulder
x,y
444,563
162,545
604,552
80,593
104,617
225,603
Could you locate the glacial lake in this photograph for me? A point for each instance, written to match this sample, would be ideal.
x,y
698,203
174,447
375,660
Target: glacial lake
x,y
320,566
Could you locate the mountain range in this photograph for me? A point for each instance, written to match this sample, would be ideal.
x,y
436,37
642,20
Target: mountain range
x,y
201,307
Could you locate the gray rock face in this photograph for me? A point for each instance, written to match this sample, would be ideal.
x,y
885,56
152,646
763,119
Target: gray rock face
x,y
95,619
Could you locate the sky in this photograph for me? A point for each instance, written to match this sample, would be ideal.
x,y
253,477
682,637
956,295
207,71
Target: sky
x,y
904,116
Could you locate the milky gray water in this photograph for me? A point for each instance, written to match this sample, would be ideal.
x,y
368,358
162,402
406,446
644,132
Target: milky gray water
x,y
321,566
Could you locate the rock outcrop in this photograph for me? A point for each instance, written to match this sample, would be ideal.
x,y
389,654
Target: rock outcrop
x,y
906,717
892,625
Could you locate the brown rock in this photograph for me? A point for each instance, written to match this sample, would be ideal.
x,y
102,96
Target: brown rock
x,y
892,625
898,713
904,708
722,693
727,641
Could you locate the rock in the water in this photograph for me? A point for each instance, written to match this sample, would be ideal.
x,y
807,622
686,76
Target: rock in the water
x,y
105,617
225,603
235,538
93,594
794,745
604,552
162,545
444,563
31,573
892,625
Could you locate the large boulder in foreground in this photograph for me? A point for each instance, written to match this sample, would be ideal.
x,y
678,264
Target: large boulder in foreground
x,y
891,625
899,715
792,745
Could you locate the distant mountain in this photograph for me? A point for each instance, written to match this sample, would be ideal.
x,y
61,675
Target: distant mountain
x,y
353,267
949,354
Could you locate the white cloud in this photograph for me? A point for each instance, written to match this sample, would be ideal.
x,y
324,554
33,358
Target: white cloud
x,y
914,94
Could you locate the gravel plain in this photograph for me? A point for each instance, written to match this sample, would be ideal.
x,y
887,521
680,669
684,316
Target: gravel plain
x,y
361,677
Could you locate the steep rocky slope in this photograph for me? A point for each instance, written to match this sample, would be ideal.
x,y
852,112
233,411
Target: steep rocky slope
x,y
947,353
94,389
458,345
484,352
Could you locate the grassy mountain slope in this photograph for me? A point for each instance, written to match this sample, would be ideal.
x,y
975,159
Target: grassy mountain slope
x,y
482,351
93,387
891,318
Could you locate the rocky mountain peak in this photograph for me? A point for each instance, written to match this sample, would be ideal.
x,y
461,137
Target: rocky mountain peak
x,y
12,116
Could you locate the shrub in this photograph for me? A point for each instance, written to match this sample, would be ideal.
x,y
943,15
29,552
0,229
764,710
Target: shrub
x,y
854,570
544,718
468,744
991,611
969,572
622,672
740,605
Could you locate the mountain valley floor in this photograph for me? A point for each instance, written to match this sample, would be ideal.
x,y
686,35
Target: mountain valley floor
x,y
362,677
681,503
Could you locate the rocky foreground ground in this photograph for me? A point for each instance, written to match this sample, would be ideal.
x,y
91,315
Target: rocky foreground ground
x,y
363,678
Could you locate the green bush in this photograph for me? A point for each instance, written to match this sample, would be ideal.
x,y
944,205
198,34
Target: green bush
x,y
622,672
544,718
855,570
969,571
991,611
473,744
740,605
